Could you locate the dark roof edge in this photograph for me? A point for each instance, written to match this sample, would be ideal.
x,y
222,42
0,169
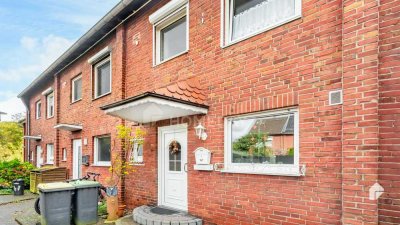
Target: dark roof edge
x,y
151,94
102,27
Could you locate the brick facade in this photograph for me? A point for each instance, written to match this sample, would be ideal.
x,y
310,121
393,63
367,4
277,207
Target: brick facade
x,y
350,45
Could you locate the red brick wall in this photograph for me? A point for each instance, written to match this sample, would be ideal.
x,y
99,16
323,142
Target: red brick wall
x,y
42,126
293,65
389,111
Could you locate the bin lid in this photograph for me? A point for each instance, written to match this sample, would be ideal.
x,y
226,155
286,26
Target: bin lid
x,y
84,184
57,186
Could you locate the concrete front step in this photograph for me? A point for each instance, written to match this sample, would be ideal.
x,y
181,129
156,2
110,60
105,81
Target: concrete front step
x,y
143,215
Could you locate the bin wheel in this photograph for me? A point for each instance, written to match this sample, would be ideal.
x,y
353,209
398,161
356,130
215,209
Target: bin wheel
x,y
37,206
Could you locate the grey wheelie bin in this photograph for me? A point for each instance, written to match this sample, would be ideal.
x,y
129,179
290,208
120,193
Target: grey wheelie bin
x,y
85,202
55,203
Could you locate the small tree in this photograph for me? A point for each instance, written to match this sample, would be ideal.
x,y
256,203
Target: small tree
x,y
120,165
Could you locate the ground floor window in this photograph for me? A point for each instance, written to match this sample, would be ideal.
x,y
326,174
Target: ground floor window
x,y
50,154
64,154
265,142
102,151
136,155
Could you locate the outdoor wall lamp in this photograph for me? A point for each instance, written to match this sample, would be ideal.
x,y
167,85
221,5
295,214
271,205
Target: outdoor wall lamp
x,y
200,132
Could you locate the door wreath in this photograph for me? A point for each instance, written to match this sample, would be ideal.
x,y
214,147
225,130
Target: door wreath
x,y
174,147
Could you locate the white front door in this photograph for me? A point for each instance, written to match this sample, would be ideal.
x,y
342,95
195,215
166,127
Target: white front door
x,y
39,159
77,159
172,167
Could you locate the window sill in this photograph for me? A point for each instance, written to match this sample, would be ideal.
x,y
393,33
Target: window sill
x,y
137,164
171,58
101,96
76,101
276,170
101,164
50,117
230,43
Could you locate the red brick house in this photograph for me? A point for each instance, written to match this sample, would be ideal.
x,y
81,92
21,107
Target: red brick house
x,y
331,69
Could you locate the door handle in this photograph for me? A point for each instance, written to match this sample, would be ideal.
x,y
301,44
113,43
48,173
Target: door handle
x,y
185,168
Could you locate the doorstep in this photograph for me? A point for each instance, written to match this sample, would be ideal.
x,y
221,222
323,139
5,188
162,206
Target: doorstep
x,y
159,215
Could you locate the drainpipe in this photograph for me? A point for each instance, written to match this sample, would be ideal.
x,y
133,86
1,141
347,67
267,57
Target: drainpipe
x,y
27,129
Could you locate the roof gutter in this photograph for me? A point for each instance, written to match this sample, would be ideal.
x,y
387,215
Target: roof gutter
x,y
55,69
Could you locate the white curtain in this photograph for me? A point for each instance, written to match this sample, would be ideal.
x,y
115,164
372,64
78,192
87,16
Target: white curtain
x,y
263,15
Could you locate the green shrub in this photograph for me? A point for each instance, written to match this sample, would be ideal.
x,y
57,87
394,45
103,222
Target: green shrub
x,y
102,209
14,169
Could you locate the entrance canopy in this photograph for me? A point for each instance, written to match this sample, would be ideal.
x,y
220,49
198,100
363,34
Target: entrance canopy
x,y
36,138
68,127
151,107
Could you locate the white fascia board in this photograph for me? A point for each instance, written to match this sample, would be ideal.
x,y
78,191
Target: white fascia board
x,y
166,10
99,55
47,91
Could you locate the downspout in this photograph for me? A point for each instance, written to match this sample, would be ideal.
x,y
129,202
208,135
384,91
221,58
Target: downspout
x,y
27,130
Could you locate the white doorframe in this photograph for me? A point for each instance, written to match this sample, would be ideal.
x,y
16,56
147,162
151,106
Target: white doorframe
x,y
76,158
161,161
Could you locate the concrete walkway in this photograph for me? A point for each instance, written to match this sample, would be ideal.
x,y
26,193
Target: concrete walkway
x,y
8,212
6,199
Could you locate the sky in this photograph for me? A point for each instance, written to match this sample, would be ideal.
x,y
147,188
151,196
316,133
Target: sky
x,y
33,34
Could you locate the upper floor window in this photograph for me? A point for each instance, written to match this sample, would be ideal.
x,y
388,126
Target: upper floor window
x,y
102,77
38,109
102,151
50,154
263,143
76,89
246,18
50,105
171,30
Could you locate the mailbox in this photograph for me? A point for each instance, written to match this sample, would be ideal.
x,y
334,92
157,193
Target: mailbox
x,y
203,156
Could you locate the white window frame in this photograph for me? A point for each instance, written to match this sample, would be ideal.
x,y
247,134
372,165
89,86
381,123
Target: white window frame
x,y
165,22
38,109
97,65
134,157
258,168
226,23
64,158
50,113
96,151
73,89
50,157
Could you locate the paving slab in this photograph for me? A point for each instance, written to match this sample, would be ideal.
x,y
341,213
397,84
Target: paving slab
x,y
6,199
126,220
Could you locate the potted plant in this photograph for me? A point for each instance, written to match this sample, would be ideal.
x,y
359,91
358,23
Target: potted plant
x,y
120,167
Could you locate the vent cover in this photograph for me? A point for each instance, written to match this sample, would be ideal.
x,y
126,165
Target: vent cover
x,y
335,97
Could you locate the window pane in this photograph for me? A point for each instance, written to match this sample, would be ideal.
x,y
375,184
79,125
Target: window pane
x,y
50,105
104,149
267,140
77,89
255,15
173,39
103,79
175,161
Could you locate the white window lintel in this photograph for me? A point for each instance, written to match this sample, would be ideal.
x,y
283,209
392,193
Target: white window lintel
x,y
166,10
99,55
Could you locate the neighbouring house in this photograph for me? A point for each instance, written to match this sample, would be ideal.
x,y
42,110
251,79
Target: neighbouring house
x,y
299,100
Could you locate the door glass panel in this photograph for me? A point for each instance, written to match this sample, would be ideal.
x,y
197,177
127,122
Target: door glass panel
x,y
175,156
